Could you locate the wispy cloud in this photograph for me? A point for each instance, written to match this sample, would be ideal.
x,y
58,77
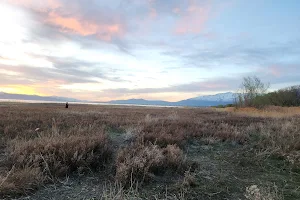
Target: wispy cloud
x,y
112,49
193,17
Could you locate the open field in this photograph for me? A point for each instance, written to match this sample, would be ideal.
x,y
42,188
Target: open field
x,y
122,152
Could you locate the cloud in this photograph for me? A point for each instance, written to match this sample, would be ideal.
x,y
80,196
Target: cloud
x,y
77,18
39,75
36,4
239,55
88,70
85,27
49,81
138,48
275,71
118,22
66,70
281,72
192,18
220,84
273,75
89,24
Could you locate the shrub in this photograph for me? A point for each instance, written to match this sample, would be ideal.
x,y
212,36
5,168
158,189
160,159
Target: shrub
x,y
60,155
140,161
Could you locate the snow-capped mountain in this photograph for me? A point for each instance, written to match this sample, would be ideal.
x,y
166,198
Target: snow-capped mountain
x,y
228,97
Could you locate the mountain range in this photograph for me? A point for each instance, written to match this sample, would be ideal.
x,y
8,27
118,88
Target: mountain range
x,y
206,100
9,96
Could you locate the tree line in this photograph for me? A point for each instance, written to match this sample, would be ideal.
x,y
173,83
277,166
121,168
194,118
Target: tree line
x,y
254,93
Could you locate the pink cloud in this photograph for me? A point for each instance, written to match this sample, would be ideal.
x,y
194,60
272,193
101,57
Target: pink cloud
x,y
72,23
176,10
193,18
275,71
153,13
84,27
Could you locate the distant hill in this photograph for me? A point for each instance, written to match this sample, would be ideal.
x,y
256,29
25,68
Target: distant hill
x,y
141,102
187,102
4,95
200,103
226,97
209,100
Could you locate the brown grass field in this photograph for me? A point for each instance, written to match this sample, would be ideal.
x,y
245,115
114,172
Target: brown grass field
x,y
123,152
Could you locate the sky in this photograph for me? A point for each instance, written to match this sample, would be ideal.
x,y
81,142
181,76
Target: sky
x,y
153,49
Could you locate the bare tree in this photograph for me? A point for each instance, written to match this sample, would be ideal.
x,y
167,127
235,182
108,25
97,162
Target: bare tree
x,y
251,88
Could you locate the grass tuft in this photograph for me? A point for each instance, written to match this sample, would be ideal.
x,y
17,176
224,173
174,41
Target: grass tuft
x,y
141,161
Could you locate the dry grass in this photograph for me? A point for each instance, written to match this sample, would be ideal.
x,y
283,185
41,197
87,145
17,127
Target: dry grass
x,y
280,137
42,146
60,155
139,161
44,159
117,191
270,111
189,179
21,181
42,142
254,192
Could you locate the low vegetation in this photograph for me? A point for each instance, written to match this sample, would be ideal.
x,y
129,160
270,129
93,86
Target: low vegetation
x,y
141,161
59,155
284,97
254,93
149,153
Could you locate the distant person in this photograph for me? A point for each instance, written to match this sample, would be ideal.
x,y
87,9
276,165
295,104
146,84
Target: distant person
x,y
67,105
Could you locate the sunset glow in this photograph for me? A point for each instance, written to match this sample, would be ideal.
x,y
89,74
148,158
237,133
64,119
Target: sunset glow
x,y
168,50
